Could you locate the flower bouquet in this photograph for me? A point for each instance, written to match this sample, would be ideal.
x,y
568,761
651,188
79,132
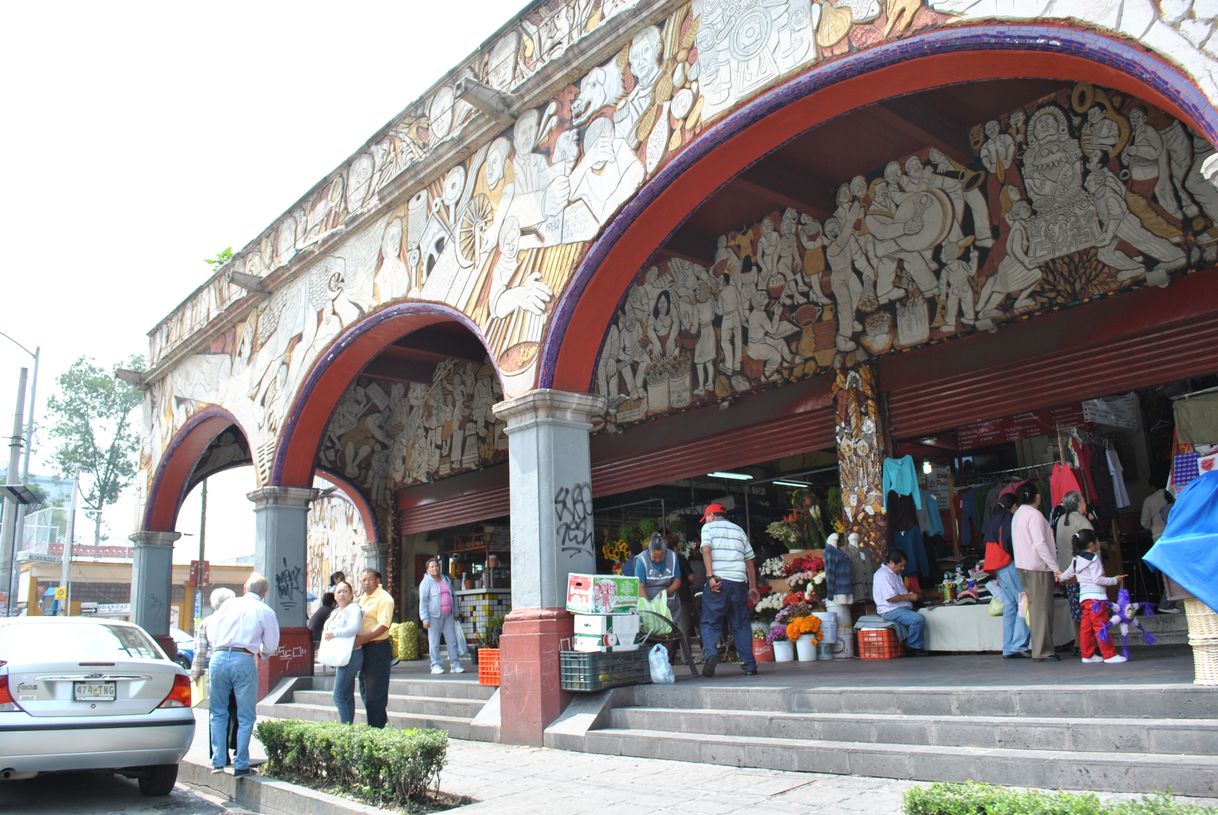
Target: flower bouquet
x,y
773,567
769,604
776,637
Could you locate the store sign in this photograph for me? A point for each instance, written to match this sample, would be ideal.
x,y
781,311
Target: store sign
x,y
113,609
1018,427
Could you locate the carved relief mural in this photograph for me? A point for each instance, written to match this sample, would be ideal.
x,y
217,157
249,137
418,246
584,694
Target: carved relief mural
x,y
336,538
385,436
1077,196
498,234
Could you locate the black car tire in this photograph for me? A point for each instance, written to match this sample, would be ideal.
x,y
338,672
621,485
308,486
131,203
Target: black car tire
x,y
159,780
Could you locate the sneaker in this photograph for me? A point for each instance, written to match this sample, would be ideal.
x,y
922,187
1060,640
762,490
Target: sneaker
x,y
457,669
750,671
243,773
1116,659
436,669
708,667
217,770
1093,659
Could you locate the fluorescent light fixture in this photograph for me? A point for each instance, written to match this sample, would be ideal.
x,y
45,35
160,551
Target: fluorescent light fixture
x,y
926,467
731,476
791,484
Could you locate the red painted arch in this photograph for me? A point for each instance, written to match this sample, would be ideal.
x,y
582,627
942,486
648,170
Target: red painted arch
x,y
172,477
948,57
301,436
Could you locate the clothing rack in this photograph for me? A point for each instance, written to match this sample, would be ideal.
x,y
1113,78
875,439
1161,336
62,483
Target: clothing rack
x,y
991,477
1194,393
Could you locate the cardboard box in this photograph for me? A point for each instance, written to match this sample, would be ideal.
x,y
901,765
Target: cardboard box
x,y
624,625
602,594
603,643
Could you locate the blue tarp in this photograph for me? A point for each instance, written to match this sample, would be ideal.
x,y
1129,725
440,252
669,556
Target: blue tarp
x,y
1187,552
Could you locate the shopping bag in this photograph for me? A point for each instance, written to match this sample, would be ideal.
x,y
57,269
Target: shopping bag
x,y
661,668
657,605
335,652
198,690
996,607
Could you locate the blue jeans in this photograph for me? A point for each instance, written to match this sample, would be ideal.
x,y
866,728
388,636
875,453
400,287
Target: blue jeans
x,y
732,602
911,621
232,672
1015,636
344,686
374,681
447,627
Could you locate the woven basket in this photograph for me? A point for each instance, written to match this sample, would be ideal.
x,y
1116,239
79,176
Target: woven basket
x,y
1203,636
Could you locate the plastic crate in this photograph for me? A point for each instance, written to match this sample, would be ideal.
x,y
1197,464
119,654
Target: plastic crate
x,y
587,672
488,666
879,644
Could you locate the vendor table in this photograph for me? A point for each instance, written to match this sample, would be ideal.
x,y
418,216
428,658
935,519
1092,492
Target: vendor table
x,y
971,628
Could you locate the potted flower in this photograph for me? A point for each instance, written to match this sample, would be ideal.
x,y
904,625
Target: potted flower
x,y
488,651
763,651
801,628
784,651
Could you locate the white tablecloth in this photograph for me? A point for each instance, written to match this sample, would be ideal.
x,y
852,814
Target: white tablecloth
x,y
971,628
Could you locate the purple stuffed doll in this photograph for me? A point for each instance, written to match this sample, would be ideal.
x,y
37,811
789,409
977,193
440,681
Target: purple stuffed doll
x,y
1125,612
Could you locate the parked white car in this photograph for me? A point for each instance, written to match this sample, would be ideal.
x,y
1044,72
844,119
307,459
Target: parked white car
x,y
88,694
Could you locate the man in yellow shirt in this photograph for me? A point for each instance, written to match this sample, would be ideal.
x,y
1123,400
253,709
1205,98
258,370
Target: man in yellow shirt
x,y
373,638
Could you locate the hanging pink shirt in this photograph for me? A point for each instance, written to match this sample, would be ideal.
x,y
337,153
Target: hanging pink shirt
x,y
446,599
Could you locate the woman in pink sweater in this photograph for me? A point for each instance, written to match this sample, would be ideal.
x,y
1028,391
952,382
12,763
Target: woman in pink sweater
x,y
1036,560
1093,597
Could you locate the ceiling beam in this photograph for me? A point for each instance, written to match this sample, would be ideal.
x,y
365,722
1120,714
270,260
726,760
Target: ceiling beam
x,y
786,186
399,370
437,348
928,128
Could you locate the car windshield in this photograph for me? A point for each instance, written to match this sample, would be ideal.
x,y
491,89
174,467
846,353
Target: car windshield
x,y
76,642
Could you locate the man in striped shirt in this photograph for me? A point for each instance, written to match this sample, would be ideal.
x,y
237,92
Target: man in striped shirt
x,y
731,583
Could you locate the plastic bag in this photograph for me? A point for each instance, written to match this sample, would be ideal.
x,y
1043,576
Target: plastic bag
x,y
996,607
661,668
656,605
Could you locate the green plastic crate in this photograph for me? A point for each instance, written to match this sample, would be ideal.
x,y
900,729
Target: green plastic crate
x,y
589,672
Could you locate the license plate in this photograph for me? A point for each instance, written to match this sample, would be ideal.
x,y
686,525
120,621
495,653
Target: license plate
x,y
93,691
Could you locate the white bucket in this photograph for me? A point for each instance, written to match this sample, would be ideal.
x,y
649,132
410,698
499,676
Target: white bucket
x,y
805,648
828,632
783,651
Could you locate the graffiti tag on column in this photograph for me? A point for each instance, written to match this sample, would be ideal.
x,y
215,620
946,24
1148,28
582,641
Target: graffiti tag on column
x,y
290,653
289,585
573,510
156,605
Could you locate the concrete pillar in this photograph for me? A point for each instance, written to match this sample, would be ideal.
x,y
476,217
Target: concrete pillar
x,y
280,537
152,584
862,444
550,472
373,557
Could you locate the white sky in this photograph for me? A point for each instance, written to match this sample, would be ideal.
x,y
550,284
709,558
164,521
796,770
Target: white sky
x,y
141,137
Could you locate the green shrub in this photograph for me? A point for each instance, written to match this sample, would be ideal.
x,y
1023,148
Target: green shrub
x,y
984,799
382,766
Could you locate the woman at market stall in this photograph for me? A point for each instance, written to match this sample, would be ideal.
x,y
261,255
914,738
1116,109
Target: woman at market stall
x,y
438,613
1036,560
1073,519
344,621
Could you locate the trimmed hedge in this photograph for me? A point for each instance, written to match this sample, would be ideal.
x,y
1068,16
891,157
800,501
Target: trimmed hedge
x,y
382,766
984,799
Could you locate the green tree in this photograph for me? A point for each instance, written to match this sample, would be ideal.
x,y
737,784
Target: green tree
x,y
222,257
91,425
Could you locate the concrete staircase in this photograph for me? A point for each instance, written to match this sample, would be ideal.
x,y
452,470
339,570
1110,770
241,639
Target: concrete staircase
x,y
1092,737
449,704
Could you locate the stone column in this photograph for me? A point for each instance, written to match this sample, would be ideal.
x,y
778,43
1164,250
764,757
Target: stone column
x,y
152,584
281,516
372,557
862,444
550,471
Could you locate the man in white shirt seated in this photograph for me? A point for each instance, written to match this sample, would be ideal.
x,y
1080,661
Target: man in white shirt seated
x,y
894,602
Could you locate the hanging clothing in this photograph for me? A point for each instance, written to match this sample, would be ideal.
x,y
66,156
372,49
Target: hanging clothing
x,y
1120,494
839,573
968,519
934,520
910,542
902,512
1061,481
901,477
1196,419
1105,499
1082,453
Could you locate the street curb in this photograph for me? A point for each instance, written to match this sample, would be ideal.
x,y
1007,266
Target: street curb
x,y
265,795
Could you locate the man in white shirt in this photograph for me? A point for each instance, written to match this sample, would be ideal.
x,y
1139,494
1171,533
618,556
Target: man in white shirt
x,y
242,630
1154,518
894,602
731,582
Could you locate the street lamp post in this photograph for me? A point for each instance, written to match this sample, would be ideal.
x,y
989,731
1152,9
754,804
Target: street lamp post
x,y
13,534
10,501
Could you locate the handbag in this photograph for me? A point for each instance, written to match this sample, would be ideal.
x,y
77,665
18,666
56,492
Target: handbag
x,y
335,652
996,555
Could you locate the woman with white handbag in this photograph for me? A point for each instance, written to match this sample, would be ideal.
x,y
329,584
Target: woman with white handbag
x,y
338,649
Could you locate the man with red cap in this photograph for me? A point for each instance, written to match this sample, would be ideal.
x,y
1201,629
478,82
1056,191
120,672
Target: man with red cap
x,y
731,582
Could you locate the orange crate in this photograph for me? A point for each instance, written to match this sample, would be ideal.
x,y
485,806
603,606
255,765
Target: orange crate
x,y
881,644
488,666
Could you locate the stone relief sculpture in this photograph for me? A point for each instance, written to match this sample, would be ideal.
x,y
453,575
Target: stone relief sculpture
x,y
1094,195
336,537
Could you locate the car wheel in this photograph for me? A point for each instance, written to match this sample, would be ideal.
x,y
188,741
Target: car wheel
x,y
183,661
159,780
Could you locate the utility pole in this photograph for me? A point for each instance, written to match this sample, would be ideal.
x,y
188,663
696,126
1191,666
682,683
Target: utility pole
x,y
202,541
19,532
8,560
64,576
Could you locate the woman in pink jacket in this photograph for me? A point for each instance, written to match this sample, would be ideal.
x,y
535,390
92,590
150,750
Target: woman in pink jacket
x,y
1036,560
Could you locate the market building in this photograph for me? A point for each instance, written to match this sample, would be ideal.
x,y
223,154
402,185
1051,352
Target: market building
x,y
784,240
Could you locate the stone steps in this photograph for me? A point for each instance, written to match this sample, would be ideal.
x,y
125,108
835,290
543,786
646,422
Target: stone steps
x,y
1054,769
1160,736
422,705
